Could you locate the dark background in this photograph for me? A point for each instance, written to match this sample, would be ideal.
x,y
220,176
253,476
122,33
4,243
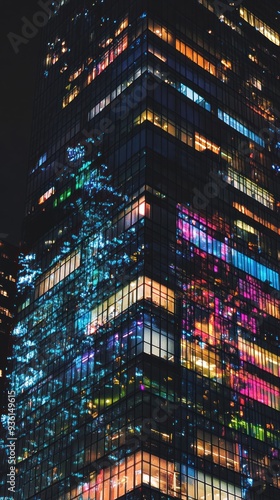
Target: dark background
x,y
17,84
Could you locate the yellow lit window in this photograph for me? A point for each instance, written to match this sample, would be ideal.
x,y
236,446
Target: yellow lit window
x,y
161,32
255,82
245,227
57,273
157,120
105,43
250,188
141,288
260,26
226,63
70,96
201,144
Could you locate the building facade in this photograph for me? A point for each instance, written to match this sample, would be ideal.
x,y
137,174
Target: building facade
x,y
147,341
8,274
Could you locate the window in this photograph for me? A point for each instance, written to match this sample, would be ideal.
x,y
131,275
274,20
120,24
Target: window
x,y
5,312
141,288
260,26
190,230
264,222
46,195
236,125
122,26
201,144
107,59
250,188
195,57
58,273
42,159
70,96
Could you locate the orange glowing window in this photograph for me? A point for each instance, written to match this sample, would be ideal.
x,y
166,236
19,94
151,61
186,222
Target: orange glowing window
x,y
195,57
122,26
46,195
201,144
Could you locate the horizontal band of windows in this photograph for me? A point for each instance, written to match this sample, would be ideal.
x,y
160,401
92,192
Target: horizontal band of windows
x,y
115,480
260,26
191,232
244,210
141,288
105,61
207,363
249,188
4,311
205,64
201,143
236,125
58,273
139,93
115,93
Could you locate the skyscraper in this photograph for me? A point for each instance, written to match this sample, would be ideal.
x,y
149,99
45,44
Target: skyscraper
x,y
147,341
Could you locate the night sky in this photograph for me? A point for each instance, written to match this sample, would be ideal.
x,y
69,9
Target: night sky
x,y
18,74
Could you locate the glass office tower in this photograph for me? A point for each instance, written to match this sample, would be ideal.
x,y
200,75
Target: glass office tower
x,y
147,341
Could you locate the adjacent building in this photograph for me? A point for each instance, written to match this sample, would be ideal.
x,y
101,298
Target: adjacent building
x,y
147,339
8,274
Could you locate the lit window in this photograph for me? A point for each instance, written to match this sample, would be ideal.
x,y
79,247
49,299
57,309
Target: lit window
x,y
121,27
191,94
46,195
5,312
70,96
190,230
161,32
108,58
226,63
58,273
42,159
256,83
141,288
166,476
244,210
195,57
116,92
56,49
250,188
75,75
236,125
260,26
